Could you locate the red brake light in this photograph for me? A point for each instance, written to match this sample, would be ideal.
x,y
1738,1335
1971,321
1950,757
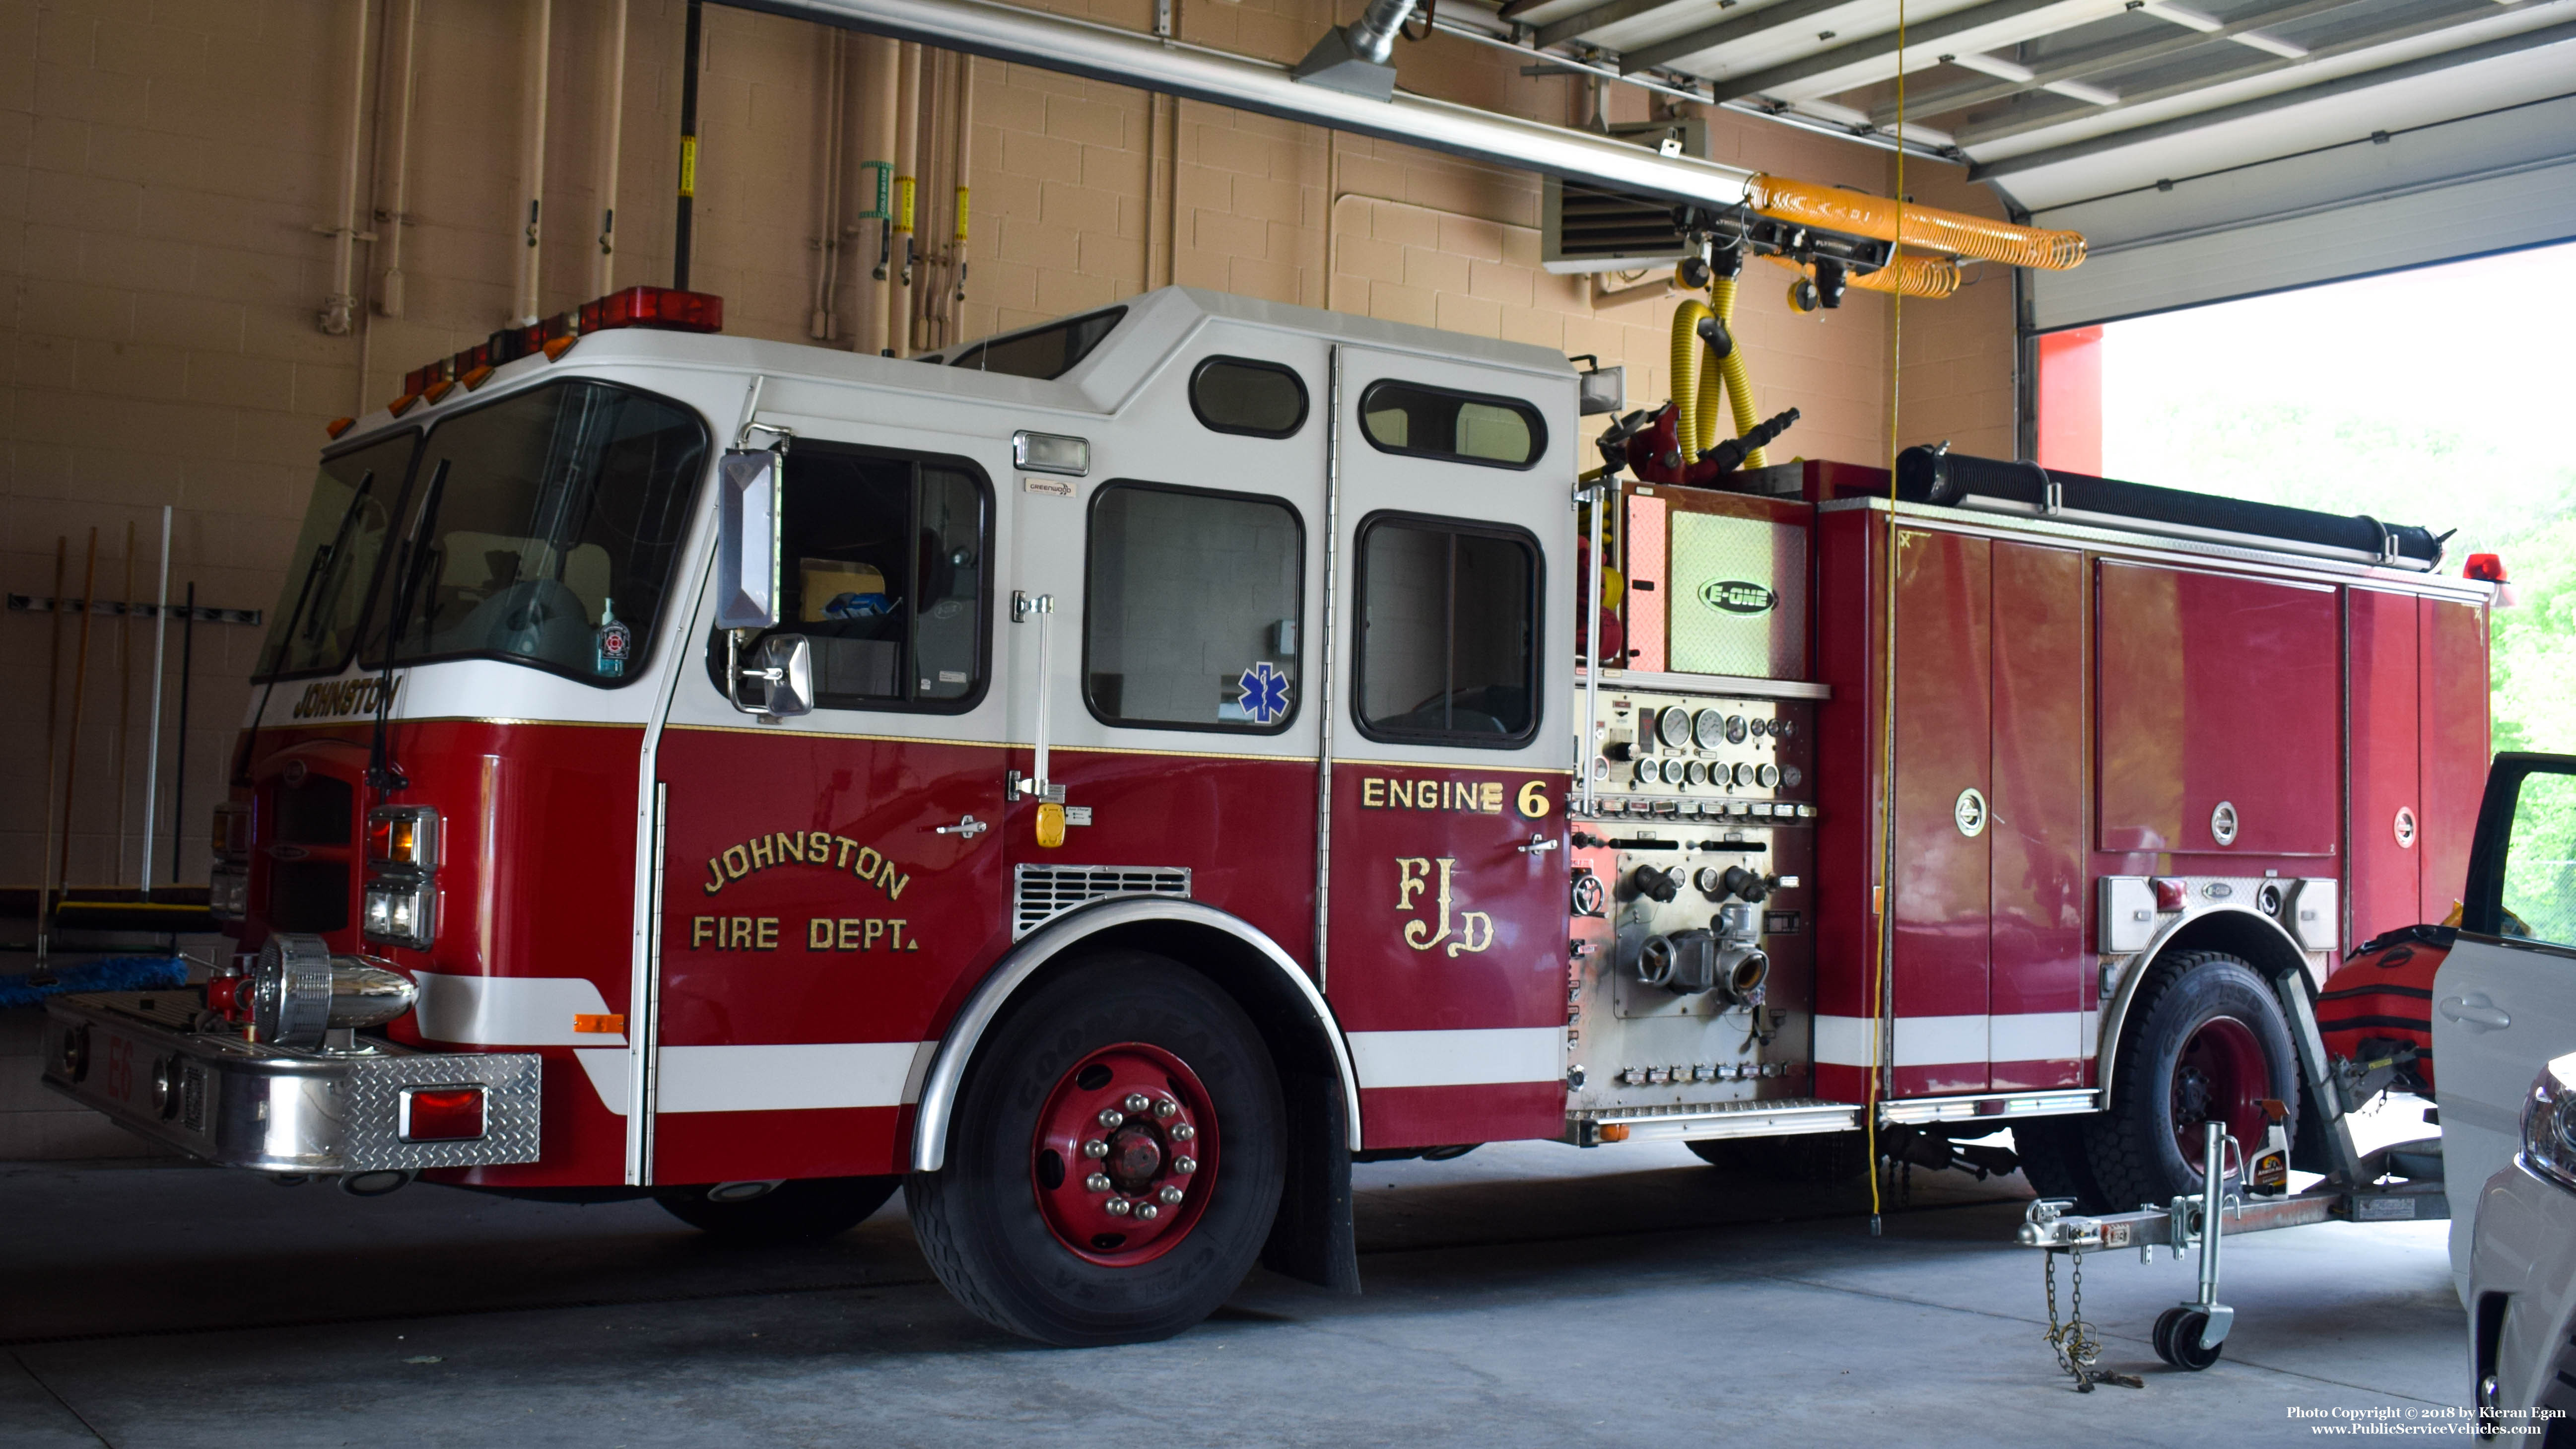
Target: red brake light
x,y
441,1114
2487,566
655,307
2169,894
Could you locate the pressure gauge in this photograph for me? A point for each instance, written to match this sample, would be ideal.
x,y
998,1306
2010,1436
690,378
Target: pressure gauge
x,y
1767,776
1694,773
1673,727
1648,772
1708,727
1735,729
1674,771
1744,773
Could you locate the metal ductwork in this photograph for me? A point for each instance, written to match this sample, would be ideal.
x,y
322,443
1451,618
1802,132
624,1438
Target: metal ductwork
x,y
1120,57
1356,58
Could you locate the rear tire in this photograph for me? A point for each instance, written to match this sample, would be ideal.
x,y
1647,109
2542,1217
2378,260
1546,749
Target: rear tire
x,y
800,1211
2207,1039
2054,1163
1808,1159
1011,1224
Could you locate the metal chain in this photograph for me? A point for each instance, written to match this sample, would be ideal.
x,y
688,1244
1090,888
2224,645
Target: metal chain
x,y
2073,1341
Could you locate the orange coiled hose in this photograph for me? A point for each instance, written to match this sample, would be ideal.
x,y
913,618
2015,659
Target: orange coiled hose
x,y
1915,274
1835,209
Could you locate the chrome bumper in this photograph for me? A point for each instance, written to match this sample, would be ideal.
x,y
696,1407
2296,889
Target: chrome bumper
x,y
132,1056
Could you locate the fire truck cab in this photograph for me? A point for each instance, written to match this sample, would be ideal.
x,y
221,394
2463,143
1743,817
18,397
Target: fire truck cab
x,y
1106,776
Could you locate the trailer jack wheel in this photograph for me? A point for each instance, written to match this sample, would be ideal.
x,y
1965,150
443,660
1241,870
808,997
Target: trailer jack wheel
x,y
2178,1331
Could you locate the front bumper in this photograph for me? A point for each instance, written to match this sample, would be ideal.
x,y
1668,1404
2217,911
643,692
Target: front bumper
x,y
133,1056
2522,1290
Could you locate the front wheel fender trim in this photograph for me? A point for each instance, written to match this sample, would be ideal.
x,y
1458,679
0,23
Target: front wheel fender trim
x,y
947,1075
2116,1011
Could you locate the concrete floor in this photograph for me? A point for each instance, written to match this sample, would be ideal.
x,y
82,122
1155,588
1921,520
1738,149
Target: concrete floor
x,y
1526,1294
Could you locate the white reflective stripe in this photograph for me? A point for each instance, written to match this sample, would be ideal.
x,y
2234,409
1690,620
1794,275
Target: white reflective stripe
x,y
1936,1041
1458,1058
510,1010
2038,1036
606,1068
791,1077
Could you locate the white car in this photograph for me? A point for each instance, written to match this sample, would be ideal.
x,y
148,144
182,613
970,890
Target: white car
x,y
2522,1274
2504,1007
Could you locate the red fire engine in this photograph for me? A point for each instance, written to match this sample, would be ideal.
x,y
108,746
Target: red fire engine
x,y
1107,777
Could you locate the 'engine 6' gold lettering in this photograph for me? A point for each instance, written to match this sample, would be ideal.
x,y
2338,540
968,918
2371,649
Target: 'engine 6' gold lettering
x,y
805,847
1471,797
733,933
1412,877
858,933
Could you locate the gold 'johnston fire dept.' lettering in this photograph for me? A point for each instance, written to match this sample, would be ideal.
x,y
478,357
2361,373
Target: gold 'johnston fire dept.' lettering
x,y
809,847
331,698
1412,877
1475,797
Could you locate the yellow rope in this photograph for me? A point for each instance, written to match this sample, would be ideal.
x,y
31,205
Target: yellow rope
x,y
1881,968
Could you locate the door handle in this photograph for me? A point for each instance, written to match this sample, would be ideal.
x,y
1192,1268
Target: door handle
x,y
1538,844
2476,1013
970,827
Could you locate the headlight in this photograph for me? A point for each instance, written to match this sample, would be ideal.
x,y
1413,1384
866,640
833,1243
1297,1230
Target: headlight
x,y
2549,1123
228,892
401,910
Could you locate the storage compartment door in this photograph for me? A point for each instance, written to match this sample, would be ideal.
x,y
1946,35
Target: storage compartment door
x,y
2385,828
2217,691
2454,740
1943,727
2043,983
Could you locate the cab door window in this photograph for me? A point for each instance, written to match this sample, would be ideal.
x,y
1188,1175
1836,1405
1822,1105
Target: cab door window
x,y
2538,876
882,567
1192,607
1448,632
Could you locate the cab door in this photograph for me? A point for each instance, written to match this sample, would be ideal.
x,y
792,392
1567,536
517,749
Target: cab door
x,y
828,878
2504,1001
1451,746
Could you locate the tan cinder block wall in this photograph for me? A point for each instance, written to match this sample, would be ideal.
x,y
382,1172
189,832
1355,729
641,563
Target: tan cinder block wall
x,y
164,170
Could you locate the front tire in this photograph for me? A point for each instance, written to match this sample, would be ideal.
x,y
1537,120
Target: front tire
x,y
2208,1042
1071,1214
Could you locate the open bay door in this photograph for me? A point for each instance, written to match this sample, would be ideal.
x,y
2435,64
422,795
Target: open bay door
x,y
1450,743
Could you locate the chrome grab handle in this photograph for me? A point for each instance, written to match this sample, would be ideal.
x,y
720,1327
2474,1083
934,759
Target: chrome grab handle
x,y
1538,844
970,827
1042,606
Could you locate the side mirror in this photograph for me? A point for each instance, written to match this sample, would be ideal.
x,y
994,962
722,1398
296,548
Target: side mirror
x,y
783,667
747,502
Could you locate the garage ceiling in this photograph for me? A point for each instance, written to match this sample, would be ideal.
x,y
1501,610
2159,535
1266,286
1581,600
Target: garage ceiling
x,y
2208,149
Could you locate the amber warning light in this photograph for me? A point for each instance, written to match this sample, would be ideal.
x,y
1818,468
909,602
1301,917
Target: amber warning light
x,y
664,308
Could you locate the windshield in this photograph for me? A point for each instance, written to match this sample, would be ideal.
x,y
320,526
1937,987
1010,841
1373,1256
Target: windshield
x,y
333,568
552,520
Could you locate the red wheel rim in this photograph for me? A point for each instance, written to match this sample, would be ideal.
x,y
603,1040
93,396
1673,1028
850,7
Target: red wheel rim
x,y
1124,1159
2220,1076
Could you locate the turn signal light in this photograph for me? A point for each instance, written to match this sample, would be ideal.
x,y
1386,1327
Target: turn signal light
x,y
402,835
441,1114
337,426
2169,894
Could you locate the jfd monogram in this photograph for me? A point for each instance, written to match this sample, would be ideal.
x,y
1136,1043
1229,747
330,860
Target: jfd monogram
x,y
1412,878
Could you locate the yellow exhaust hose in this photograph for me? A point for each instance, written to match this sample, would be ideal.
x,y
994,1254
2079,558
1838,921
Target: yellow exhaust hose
x,y
1739,378
1689,385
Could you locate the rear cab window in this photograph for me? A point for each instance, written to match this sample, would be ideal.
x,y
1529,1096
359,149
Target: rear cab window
x,y
1462,427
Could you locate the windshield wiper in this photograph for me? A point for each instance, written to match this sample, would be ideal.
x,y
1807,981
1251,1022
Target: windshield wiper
x,y
322,557
384,776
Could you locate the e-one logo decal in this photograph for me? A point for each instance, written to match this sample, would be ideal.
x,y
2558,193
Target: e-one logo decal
x,y
334,697
1736,596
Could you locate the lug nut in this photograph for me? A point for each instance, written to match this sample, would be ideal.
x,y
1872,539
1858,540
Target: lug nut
x,y
1183,1132
1095,1148
1166,1107
1118,1207
1171,1196
1137,1102
1097,1182
1147,1211
1111,1116
1185,1165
